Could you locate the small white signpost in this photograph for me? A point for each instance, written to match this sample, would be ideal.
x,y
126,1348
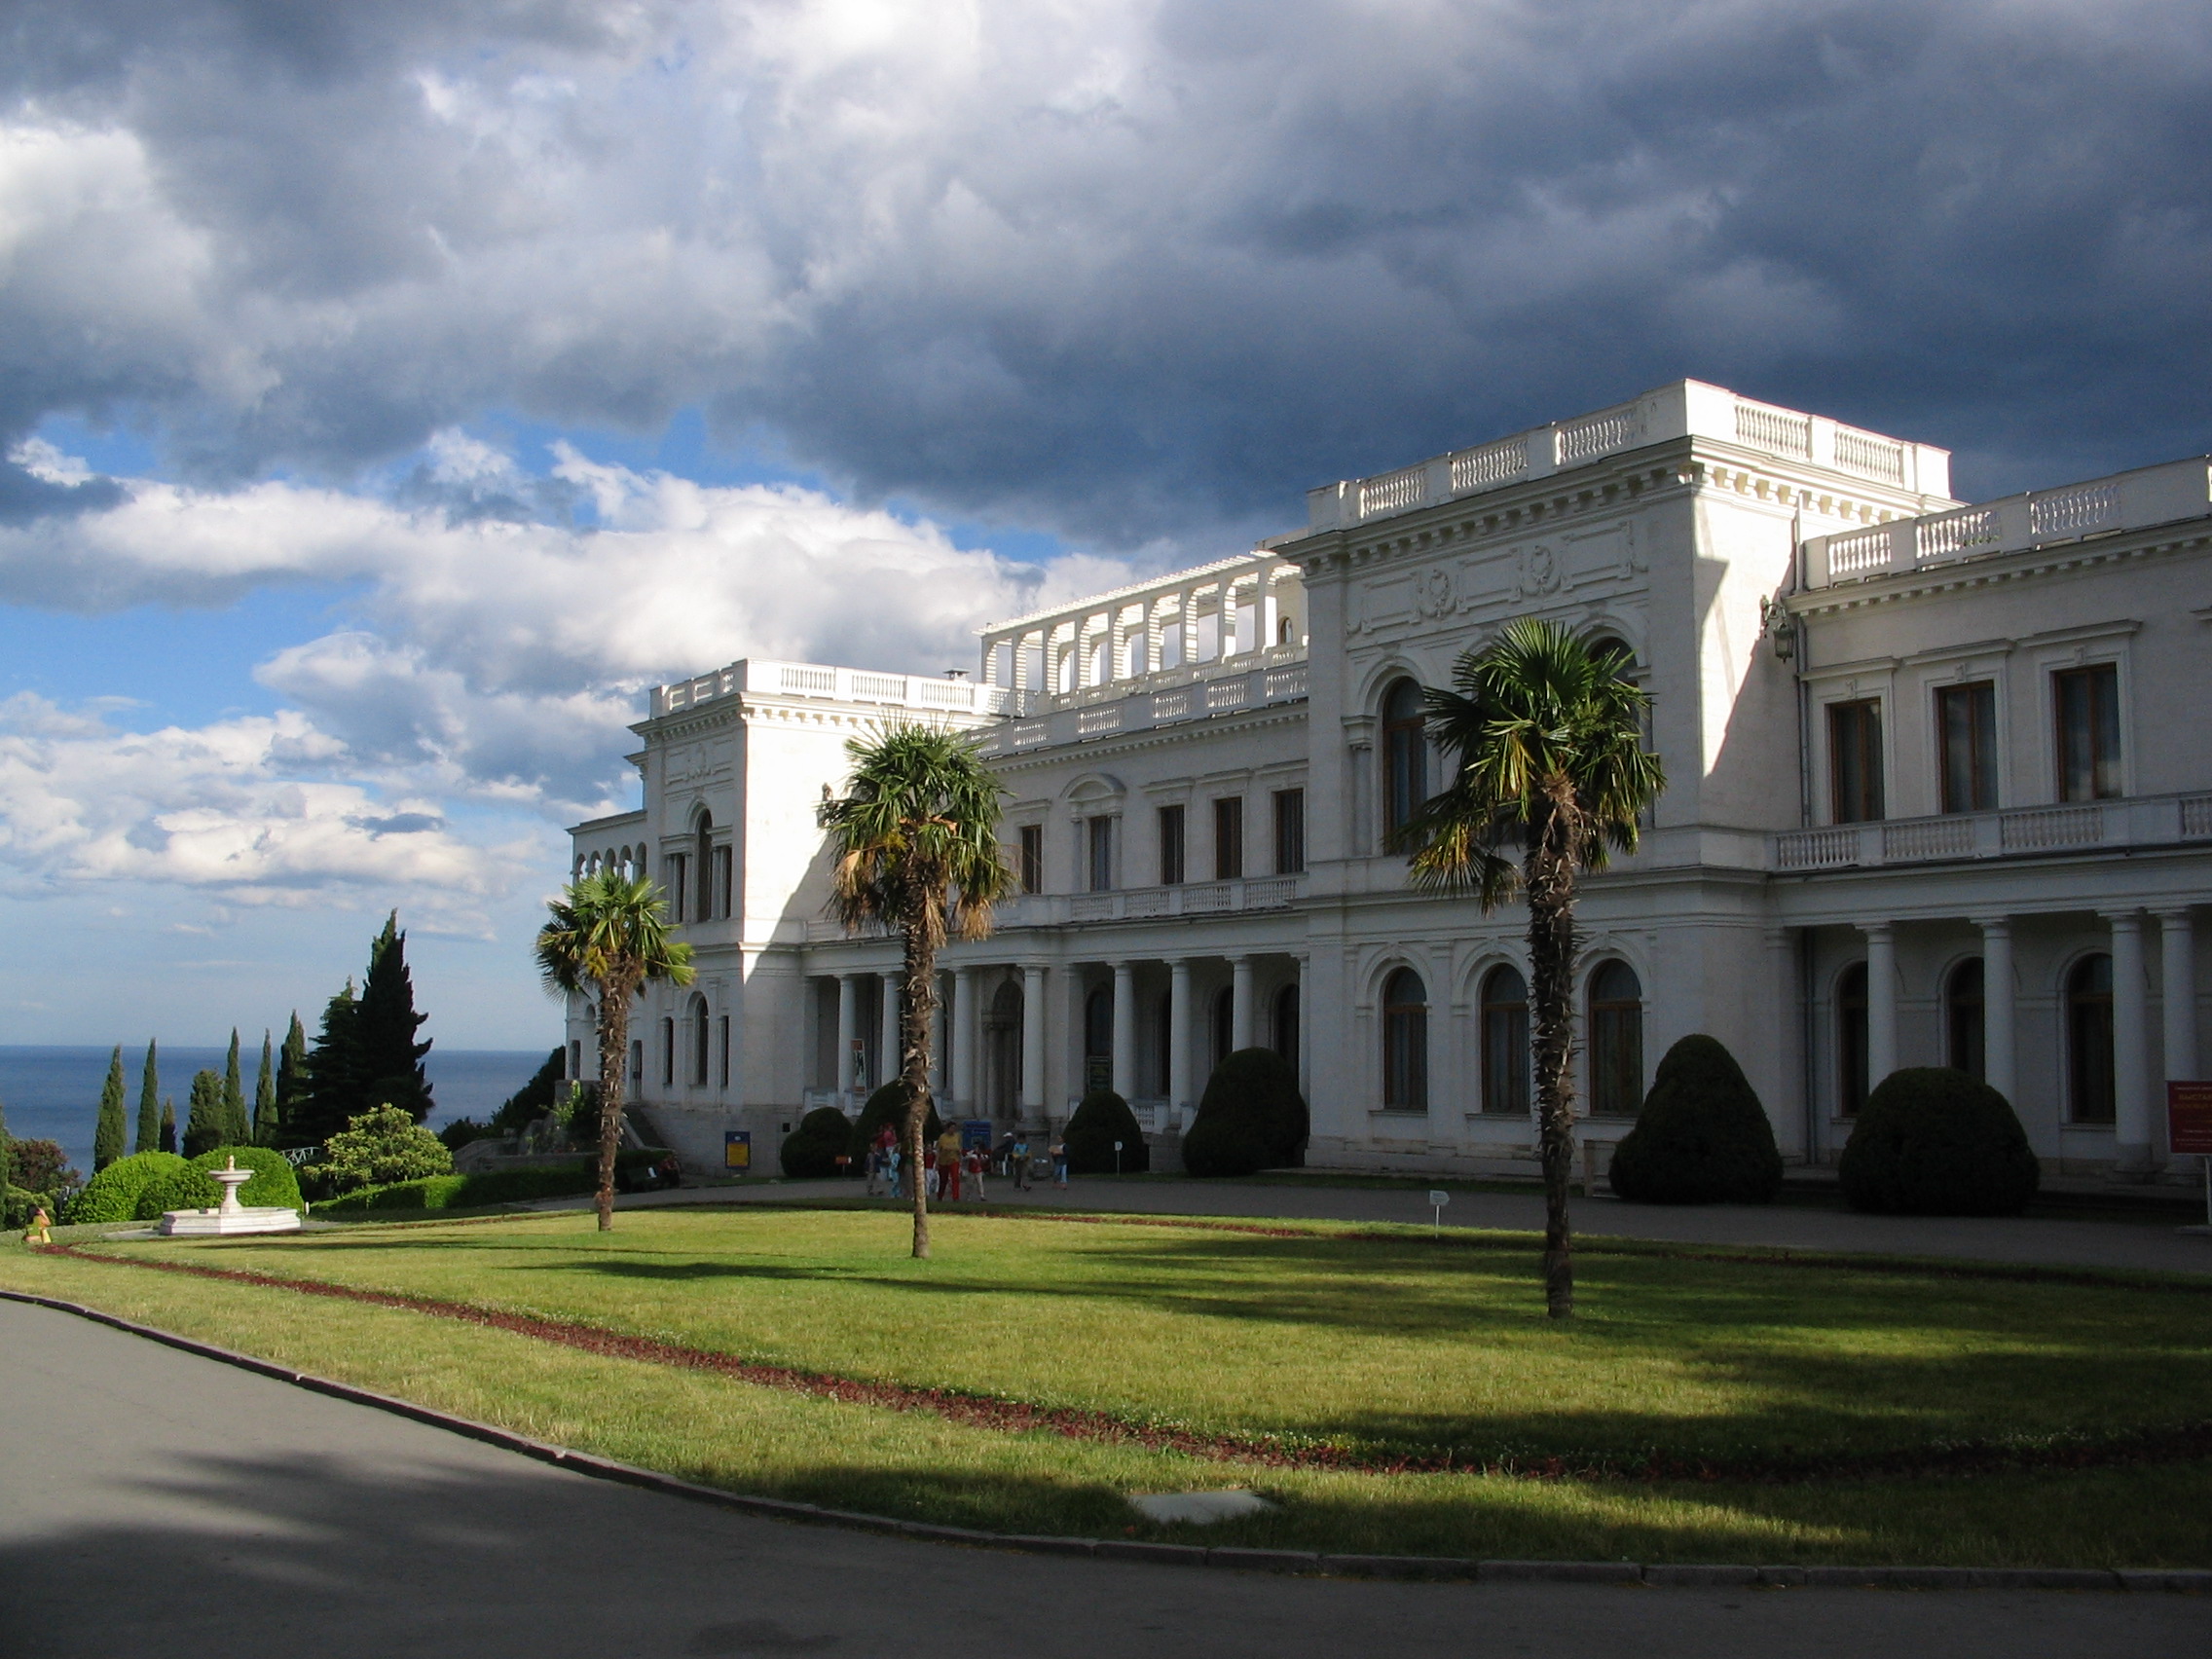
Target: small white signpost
x,y
1438,1197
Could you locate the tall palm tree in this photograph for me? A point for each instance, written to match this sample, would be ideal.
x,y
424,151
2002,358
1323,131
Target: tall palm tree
x,y
1545,734
607,937
916,839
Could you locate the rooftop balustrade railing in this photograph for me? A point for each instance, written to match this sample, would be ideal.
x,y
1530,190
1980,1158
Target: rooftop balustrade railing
x,y
2021,832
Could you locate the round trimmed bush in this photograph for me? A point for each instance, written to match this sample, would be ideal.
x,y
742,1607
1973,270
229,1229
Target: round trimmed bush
x,y
888,1105
811,1150
379,1148
1702,1137
1102,1118
273,1183
1251,1118
113,1194
183,1189
1933,1141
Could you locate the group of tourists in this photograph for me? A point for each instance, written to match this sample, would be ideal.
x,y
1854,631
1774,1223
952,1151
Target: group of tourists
x,y
952,1171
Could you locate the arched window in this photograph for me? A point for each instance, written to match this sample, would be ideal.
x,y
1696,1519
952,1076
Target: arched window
x,y
1505,1042
1962,1018
575,1060
1285,1023
1616,1042
1284,632
1405,1042
702,1031
637,1064
1101,660
702,833
1224,1022
2089,1091
668,1053
1405,755
1851,1039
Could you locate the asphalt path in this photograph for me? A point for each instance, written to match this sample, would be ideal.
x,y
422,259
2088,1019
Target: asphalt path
x,y
2132,1245
156,1504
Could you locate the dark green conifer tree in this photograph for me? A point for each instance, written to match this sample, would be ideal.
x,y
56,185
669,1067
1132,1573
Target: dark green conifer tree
x,y
149,1107
391,1060
207,1122
168,1126
292,1081
236,1131
107,1133
7,1153
265,1098
336,1082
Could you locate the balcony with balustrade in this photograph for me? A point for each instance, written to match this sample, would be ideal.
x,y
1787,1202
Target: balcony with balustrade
x,y
917,693
2025,831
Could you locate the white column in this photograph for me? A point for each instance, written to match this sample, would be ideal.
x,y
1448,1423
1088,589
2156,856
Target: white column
x,y
1240,1002
2131,1056
1881,1004
2177,997
1124,1029
1033,1042
1999,1047
1179,1040
848,1028
1304,1032
890,1061
964,1034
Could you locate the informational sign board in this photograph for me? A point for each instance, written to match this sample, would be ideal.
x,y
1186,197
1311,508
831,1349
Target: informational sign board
x,y
1097,1074
737,1151
2189,1119
976,1133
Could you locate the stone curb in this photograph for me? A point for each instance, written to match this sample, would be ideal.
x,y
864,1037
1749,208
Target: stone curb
x,y
2172,1580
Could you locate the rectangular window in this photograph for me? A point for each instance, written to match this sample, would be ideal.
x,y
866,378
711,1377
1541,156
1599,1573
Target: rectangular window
x,y
721,1046
1966,732
723,897
1171,846
668,1053
2086,702
1290,831
1855,760
1032,858
1101,855
673,864
1228,838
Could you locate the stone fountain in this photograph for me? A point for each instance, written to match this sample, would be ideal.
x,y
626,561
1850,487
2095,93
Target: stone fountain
x,y
230,1216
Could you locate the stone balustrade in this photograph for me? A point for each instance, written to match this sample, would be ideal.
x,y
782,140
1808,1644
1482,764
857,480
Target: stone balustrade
x,y
1252,893
919,692
1166,698
2020,831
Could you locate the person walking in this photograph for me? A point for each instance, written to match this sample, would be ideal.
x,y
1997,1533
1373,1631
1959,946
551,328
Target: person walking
x,y
976,1163
891,1166
874,1168
1060,1164
1021,1163
929,1171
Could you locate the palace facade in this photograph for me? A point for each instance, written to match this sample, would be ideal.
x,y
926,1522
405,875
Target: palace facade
x,y
1940,792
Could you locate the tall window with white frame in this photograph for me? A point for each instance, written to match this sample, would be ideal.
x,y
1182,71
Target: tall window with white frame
x,y
1290,831
2085,703
2089,1092
1855,760
1404,755
1283,1028
1966,744
1101,831
1405,1042
668,1053
1171,846
1031,858
1228,838
1851,1063
1616,1040
701,1034
1962,1019
1505,1043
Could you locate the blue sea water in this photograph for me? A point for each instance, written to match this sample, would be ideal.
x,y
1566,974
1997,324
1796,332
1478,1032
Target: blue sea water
x,y
55,1093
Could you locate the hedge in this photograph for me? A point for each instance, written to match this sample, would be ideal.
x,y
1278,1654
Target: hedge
x,y
113,1194
1102,1118
275,1185
1250,1118
188,1189
1935,1141
1702,1136
488,1187
888,1105
811,1150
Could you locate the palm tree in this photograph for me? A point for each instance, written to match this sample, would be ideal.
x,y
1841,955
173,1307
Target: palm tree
x,y
1546,738
608,936
916,836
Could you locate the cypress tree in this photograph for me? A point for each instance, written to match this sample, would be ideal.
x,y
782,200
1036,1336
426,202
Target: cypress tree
x,y
150,1106
265,1098
336,1084
209,1117
237,1131
7,1153
168,1126
292,1084
391,1060
107,1133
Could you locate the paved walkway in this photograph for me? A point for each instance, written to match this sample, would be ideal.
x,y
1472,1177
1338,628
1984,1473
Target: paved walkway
x,y
2119,1245
157,1505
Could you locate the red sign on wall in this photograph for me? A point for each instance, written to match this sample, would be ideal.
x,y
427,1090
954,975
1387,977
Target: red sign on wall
x,y
2189,1117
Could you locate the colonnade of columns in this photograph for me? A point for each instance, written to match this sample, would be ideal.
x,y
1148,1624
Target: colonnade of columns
x,y
2135,1100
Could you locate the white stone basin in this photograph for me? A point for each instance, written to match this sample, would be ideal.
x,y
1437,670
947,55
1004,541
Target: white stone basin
x,y
230,1216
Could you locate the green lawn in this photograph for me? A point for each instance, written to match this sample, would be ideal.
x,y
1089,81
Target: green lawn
x,y
1398,1343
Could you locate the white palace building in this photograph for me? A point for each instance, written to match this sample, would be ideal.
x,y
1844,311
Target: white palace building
x,y
1940,792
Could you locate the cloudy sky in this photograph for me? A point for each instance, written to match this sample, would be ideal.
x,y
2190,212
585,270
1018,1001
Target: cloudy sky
x,y
388,392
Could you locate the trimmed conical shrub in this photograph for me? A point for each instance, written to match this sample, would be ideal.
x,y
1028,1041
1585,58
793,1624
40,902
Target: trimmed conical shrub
x,y
1702,1137
1102,1118
811,1150
888,1105
1250,1118
1933,1141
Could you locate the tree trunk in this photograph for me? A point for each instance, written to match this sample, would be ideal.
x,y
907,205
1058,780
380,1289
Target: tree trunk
x,y
614,993
916,1018
1548,873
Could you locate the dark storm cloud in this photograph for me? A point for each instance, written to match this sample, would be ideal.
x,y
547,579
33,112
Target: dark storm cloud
x,y
1124,272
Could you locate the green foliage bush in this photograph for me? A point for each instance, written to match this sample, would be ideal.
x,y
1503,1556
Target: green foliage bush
x,y
379,1148
489,1186
1702,1136
16,1207
185,1188
41,1166
1933,1141
888,1105
113,1194
1250,1118
811,1150
273,1183
1102,1118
